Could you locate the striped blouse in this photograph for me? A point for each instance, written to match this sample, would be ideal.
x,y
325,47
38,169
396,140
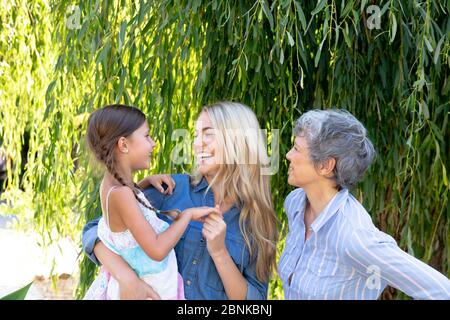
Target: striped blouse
x,y
347,257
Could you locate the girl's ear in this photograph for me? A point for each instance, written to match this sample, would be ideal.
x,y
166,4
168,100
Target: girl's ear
x,y
122,145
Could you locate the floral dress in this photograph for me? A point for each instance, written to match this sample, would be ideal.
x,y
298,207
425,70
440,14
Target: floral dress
x,y
162,276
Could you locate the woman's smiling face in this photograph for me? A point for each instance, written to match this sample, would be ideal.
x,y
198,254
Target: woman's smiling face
x,y
205,146
301,169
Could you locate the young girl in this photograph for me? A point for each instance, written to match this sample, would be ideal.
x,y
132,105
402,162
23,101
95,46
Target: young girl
x,y
118,137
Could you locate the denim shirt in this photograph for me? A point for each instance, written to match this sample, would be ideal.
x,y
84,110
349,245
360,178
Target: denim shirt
x,y
200,276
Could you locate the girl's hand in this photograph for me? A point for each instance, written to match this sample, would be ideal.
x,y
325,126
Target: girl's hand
x,y
214,230
157,181
137,289
200,213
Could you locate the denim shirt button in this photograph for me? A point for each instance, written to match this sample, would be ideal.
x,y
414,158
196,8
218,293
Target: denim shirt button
x,y
188,282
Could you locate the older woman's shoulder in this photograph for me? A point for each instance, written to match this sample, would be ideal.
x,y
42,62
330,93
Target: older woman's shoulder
x,y
359,227
355,215
294,195
359,233
293,202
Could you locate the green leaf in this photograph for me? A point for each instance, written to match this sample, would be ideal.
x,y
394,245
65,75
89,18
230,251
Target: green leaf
x,y
428,44
345,31
123,27
408,142
260,15
438,50
19,294
444,175
437,132
268,14
103,53
363,5
425,110
393,29
320,5
347,8
290,39
318,53
50,88
301,15
385,8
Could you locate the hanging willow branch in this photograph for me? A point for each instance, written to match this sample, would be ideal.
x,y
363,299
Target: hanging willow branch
x,y
281,58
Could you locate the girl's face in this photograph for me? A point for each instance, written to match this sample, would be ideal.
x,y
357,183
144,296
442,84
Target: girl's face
x,y
205,146
301,169
140,147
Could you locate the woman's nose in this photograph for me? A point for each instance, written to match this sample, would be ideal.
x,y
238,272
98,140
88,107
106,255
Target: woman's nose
x,y
198,141
288,155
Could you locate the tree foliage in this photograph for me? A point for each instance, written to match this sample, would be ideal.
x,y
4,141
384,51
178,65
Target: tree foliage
x,y
59,62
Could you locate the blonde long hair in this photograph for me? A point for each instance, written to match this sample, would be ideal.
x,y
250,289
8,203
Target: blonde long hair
x,y
242,149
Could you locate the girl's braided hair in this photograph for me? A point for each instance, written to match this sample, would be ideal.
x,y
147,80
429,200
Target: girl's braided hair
x,y
105,127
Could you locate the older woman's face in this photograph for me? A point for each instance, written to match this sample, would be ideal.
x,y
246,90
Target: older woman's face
x,y
301,169
205,146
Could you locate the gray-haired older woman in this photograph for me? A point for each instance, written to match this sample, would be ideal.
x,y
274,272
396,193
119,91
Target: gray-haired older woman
x,y
333,250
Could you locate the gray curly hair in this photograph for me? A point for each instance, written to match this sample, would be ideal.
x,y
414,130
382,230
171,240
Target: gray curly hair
x,y
337,134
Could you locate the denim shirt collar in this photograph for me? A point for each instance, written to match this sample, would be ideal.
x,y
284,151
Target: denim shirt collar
x,y
230,214
202,185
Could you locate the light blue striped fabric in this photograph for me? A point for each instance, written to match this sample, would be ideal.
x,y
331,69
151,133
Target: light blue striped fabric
x,y
347,257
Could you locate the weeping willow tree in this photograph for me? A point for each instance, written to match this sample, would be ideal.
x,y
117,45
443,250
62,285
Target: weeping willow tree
x,y
387,62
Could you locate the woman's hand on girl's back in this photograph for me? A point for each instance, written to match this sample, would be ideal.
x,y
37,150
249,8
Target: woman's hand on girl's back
x,y
137,289
157,182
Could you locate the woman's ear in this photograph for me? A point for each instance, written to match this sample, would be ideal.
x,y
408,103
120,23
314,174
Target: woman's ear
x,y
122,145
326,167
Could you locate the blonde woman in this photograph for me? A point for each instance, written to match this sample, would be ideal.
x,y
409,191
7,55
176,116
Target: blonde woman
x,y
230,255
